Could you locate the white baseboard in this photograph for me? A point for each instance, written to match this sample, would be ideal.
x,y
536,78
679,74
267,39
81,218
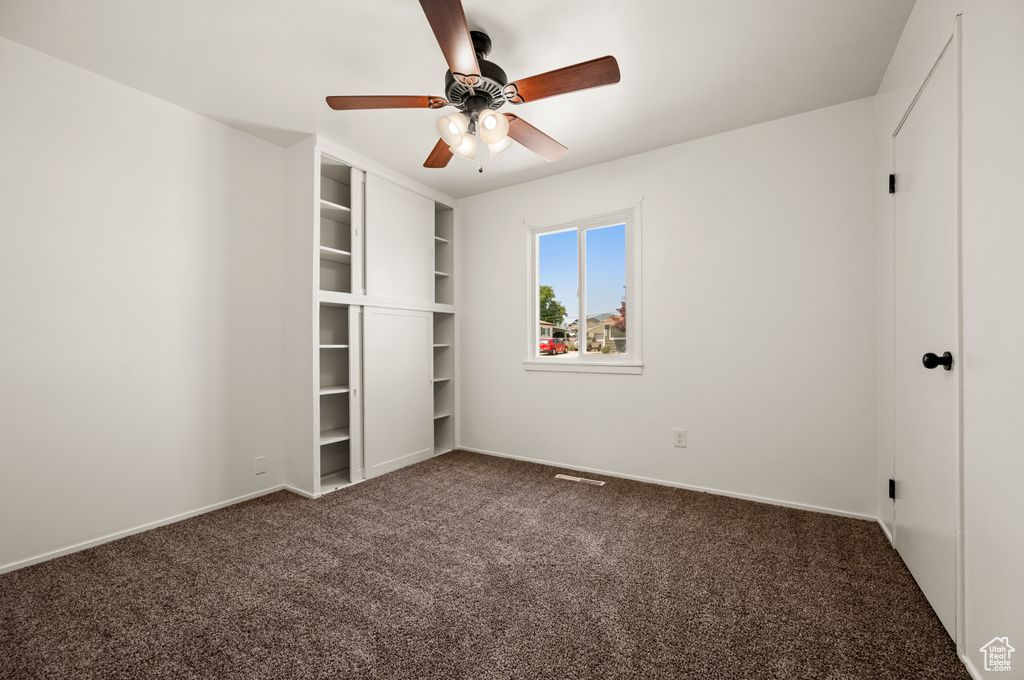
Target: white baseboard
x,y
298,491
690,487
136,530
885,530
971,670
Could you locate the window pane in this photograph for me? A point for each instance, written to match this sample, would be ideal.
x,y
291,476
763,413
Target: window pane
x,y
557,297
606,290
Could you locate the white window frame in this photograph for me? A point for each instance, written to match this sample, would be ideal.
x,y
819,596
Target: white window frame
x,y
631,362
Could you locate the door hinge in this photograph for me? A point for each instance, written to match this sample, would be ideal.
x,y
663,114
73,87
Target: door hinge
x,y
892,489
892,184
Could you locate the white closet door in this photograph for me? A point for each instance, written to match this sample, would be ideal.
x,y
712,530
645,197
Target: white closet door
x,y
926,405
397,389
399,260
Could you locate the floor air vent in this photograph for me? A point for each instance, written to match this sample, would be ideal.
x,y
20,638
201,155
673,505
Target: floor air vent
x,y
580,479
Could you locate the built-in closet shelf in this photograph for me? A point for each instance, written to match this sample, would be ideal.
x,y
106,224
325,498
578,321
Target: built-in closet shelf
x,y
333,346
332,298
336,389
333,211
334,480
335,255
443,336
331,436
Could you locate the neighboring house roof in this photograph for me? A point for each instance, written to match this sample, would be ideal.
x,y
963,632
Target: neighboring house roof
x,y
544,324
610,321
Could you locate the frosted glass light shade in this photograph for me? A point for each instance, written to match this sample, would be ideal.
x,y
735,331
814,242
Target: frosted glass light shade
x,y
492,126
451,128
467,149
496,148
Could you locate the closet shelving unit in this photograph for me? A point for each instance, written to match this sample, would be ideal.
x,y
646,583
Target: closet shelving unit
x,y
336,233
369,255
444,330
337,402
444,286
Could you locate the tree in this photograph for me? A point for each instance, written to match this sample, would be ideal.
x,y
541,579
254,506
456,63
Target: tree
x,y
619,322
551,310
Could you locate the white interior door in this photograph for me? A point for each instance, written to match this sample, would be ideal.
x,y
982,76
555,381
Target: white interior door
x,y
926,301
398,394
399,261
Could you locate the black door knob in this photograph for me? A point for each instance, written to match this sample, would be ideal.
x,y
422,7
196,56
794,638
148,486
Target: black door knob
x,y
932,360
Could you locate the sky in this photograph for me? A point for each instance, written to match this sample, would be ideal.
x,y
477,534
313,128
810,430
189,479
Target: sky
x,y
606,268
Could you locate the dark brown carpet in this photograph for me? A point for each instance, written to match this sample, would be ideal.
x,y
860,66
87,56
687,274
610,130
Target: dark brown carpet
x,y
468,566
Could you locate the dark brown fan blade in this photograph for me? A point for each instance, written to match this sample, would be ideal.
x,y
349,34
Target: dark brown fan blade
x,y
385,102
593,73
440,155
533,139
448,20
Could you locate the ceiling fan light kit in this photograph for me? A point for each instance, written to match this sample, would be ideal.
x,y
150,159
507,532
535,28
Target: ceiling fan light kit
x,y
496,148
451,128
478,88
466,148
492,127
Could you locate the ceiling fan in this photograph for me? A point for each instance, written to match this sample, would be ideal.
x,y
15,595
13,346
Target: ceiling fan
x,y
478,88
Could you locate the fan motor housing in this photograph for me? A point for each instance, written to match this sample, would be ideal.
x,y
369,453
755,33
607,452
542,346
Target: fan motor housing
x,y
487,93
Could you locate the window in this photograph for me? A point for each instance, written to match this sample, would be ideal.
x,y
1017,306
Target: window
x,y
585,295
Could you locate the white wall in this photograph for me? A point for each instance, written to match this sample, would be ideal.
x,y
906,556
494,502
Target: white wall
x,y
141,354
993,287
993,295
759,307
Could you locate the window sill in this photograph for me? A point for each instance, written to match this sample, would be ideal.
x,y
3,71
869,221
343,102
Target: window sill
x,y
583,367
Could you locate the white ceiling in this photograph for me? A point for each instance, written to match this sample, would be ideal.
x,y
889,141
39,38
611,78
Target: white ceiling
x,y
690,68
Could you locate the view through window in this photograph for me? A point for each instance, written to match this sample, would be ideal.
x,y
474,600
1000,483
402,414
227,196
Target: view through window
x,y
582,268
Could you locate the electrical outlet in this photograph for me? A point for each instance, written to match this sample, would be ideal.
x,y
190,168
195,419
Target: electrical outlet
x,y
261,464
680,438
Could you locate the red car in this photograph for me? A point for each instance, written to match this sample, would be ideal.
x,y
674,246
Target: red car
x,y
553,346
